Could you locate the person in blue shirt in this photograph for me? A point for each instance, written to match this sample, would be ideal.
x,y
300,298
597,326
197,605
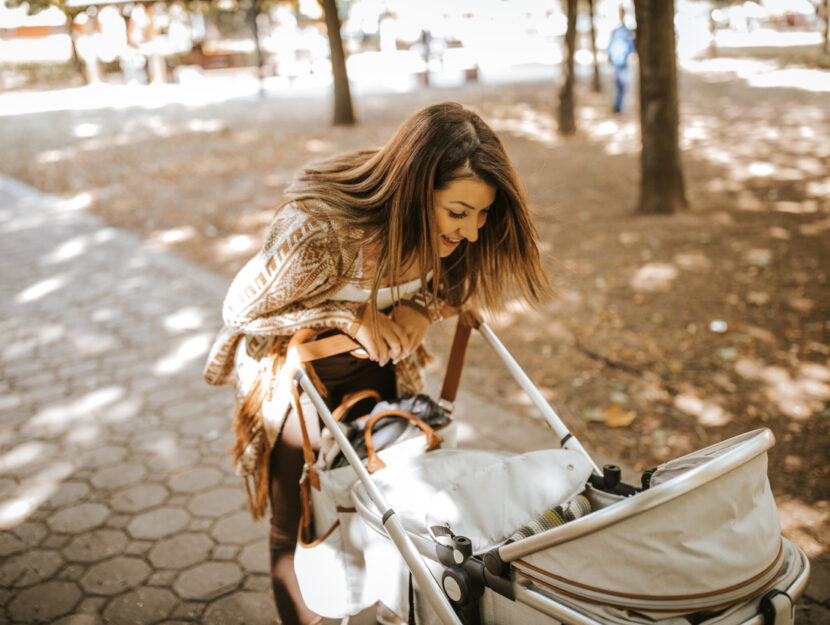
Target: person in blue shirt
x,y
620,47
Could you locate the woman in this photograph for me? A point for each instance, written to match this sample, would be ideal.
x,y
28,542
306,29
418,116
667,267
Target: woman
x,y
374,244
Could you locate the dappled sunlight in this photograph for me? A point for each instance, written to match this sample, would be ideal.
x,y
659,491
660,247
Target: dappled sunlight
x,y
41,289
758,73
616,136
525,121
707,412
800,394
66,251
60,417
133,133
805,523
189,318
172,236
85,130
654,277
187,351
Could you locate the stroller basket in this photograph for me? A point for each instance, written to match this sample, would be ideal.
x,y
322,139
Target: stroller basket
x,y
700,544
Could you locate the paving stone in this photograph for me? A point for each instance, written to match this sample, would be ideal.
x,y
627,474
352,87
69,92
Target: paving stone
x,y
118,476
217,502
178,501
103,456
7,484
200,525
239,528
72,572
69,493
208,580
43,603
181,458
138,547
180,551
56,541
818,588
241,608
91,605
32,533
225,552
80,619
30,568
142,606
158,523
258,583
162,578
201,426
140,497
78,518
195,479
27,453
158,442
112,577
254,558
189,610
96,545
118,521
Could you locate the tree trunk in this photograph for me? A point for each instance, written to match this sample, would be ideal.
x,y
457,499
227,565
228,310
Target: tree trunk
x,y
343,112
76,60
661,187
597,86
567,119
260,58
827,26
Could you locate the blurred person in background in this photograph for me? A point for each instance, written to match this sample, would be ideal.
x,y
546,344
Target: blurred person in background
x,y
620,47
373,244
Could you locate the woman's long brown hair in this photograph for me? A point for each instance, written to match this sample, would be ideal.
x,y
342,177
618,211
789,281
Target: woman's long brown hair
x,y
387,195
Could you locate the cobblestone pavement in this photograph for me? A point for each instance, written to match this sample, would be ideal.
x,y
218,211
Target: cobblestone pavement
x,y
118,503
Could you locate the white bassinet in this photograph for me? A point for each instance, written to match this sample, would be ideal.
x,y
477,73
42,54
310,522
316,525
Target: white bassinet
x,y
698,542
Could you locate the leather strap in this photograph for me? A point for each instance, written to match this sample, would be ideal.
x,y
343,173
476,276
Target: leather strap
x,y
341,343
374,463
351,399
329,346
467,320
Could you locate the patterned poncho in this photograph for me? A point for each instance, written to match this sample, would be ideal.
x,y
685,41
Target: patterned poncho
x,y
286,287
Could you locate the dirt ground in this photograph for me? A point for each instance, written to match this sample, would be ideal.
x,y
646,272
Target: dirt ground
x,y
668,333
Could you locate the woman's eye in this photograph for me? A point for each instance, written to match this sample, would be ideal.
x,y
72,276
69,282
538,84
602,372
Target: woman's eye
x,y
455,215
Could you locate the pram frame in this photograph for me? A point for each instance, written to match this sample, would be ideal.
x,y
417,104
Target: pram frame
x,y
414,548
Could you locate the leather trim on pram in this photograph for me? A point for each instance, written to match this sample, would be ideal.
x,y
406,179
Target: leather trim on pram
x,y
767,576
316,541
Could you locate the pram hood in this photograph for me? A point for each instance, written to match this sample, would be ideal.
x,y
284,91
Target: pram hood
x,y
715,541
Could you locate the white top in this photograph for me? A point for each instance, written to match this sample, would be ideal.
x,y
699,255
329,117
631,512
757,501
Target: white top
x,y
386,296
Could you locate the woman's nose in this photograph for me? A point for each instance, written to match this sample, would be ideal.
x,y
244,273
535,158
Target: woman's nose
x,y
469,229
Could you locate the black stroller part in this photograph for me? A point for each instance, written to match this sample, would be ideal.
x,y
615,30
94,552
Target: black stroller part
x,y
645,478
477,575
611,482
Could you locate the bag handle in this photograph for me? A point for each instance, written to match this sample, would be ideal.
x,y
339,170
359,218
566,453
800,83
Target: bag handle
x,y
351,399
374,462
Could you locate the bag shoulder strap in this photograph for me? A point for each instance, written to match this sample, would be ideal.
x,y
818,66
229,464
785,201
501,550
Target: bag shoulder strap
x,y
342,343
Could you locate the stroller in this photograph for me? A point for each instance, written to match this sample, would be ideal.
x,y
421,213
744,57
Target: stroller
x,y
446,535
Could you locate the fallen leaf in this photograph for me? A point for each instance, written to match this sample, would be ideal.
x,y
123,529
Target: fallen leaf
x,y
616,418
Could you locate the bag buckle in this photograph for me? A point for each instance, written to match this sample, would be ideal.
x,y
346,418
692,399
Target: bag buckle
x,y
446,405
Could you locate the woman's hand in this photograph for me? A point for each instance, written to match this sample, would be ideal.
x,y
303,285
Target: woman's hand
x,y
414,323
383,340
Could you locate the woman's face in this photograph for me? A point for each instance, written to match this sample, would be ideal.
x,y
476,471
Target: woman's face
x,y
460,210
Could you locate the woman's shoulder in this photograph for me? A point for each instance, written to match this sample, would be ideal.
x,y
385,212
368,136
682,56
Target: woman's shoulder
x,y
293,226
